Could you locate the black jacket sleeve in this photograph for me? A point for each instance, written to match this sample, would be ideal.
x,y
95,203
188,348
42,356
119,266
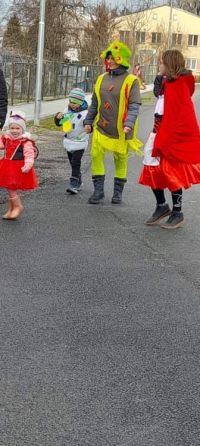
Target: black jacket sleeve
x,y
3,99
157,85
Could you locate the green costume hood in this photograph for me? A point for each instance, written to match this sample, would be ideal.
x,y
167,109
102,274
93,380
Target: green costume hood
x,y
121,53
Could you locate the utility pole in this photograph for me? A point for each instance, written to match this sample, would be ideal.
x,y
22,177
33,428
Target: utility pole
x,y
40,54
169,40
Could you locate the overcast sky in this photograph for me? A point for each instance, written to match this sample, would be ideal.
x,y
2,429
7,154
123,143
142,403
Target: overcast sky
x,y
4,5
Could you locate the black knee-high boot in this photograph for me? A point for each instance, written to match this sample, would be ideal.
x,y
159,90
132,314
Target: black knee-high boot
x,y
98,194
118,189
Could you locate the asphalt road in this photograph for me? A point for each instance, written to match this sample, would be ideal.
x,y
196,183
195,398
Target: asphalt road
x,y
100,319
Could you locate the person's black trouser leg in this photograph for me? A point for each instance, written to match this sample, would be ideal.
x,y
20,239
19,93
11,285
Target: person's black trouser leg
x,y
75,162
69,154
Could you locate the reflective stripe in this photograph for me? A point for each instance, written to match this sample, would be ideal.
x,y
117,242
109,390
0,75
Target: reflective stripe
x,y
121,144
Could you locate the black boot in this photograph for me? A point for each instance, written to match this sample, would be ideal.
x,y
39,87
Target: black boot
x,y
118,189
160,212
98,193
174,221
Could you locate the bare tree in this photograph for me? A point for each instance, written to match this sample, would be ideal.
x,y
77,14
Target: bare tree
x,y
136,30
136,6
97,33
136,27
13,38
61,23
189,5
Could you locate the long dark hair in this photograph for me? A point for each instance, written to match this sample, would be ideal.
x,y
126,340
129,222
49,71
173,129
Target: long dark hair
x,y
174,63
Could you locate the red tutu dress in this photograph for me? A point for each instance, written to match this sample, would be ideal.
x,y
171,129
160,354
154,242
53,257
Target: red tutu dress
x,y
177,142
18,152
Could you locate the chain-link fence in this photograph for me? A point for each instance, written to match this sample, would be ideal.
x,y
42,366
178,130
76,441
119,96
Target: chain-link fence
x,y
58,79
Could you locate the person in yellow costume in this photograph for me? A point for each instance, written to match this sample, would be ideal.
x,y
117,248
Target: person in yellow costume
x,y
112,117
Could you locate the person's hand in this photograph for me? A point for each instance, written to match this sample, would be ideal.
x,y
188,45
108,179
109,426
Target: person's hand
x,y
26,167
127,130
59,115
88,128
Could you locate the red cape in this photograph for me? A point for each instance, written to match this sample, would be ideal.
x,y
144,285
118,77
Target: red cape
x,y
178,136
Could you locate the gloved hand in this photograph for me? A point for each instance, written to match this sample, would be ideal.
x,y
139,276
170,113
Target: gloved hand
x,y
27,167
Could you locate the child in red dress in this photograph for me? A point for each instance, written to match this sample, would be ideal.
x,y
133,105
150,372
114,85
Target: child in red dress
x,y
176,144
16,167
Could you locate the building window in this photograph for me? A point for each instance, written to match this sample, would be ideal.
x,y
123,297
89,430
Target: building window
x,y
125,36
140,36
176,39
192,40
156,37
175,17
191,64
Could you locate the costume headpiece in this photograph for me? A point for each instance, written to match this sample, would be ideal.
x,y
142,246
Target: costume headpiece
x,y
121,53
17,117
77,96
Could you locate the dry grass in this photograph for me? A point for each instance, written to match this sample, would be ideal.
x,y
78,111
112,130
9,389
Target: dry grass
x,y
45,123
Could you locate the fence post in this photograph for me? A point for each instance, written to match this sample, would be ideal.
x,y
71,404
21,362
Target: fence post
x,y
85,79
55,79
49,83
12,83
66,80
29,82
21,82
77,68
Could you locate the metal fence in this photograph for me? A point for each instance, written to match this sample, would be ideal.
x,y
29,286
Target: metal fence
x,y
58,79
149,72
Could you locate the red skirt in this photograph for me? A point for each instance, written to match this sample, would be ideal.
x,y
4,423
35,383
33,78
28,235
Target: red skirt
x,y
171,175
11,176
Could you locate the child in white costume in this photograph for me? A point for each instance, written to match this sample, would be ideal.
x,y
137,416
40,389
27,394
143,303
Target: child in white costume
x,y
75,139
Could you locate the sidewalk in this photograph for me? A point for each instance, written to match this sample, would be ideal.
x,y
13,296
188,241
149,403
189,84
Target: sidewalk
x,y
49,108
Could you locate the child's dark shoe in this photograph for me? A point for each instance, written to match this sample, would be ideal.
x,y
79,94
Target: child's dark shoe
x,y
174,221
80,184
159,213
73,186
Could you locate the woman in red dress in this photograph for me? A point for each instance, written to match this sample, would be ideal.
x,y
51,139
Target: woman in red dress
x,y
176,144
16,167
